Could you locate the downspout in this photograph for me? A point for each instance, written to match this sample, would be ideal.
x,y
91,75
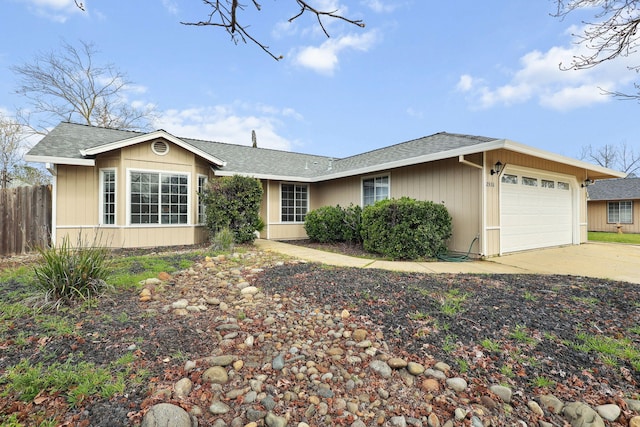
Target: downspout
x,y
268,209
53,169
483,209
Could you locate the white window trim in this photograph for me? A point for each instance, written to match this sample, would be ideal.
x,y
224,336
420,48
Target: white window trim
x,y
189,197
101,197
206,180
618,202
308,201
364,178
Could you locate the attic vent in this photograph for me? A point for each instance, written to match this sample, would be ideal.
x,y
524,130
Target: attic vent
x,y
160,147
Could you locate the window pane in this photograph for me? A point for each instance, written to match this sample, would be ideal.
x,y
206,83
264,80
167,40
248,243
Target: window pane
x,y
375,189
108,197
509,179
293,203
152,193
563,185
547,184
531,182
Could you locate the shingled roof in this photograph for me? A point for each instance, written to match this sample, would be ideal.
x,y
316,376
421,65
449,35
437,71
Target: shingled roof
x,y
615,189
67,141
77,144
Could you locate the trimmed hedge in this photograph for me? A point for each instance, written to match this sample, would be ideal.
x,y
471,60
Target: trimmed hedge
x,y
406,228
330,224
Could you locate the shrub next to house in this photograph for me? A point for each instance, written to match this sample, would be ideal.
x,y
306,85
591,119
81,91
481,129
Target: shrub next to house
x,y
406,228
330,224
234,202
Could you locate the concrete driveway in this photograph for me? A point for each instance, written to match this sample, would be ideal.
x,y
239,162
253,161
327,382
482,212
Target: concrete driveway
x,y
602,260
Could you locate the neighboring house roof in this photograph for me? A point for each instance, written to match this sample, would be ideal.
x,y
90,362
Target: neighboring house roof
x,y
615,189
78,144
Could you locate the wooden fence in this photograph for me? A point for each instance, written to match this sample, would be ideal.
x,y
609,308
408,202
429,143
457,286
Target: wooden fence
x,y
25,219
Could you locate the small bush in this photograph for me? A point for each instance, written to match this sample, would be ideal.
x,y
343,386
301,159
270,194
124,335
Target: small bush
x,y
69,273
352,227
330,224
325,224
406,228
223,240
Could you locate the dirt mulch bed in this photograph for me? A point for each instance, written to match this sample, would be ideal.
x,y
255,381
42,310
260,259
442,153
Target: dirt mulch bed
x,y
530,321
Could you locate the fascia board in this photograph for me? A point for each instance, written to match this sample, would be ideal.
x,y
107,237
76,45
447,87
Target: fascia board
x,y
59,160
266,176
525,149
477,148
150,137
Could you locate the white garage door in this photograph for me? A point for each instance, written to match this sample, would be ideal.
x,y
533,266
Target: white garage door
x,y
536,211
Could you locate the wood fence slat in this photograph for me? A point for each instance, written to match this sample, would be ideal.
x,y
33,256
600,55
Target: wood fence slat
x,y
25,219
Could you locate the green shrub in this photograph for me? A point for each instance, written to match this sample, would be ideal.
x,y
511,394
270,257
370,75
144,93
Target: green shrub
x,y
352,227
325,224
406,228
69,273
330,224
234,202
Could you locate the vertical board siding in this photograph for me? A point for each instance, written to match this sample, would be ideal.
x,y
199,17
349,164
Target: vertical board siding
x,y
598,218
25,219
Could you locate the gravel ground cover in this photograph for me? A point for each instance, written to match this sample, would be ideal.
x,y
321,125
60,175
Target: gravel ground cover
x,y
574,337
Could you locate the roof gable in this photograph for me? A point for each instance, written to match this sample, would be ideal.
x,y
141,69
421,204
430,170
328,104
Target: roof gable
x,y
147,137
615,189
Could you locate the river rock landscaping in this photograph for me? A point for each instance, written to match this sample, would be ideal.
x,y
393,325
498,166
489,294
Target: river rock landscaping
x,y
255,339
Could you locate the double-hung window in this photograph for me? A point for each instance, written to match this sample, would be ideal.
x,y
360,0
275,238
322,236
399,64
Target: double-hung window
x,y
620,212
294,202
108,197
375,189
202,182
159,198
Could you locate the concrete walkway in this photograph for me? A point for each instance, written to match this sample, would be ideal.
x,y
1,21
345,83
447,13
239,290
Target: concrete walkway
x,y
601,260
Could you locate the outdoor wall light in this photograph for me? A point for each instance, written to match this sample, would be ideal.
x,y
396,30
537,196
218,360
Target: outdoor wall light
x,y
496,168
587,182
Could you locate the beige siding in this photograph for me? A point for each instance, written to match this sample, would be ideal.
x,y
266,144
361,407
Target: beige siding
x,y
456,185
134,237
77,196
78,190
276,229
598,218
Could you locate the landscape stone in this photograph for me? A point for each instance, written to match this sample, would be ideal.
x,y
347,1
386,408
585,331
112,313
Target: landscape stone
x,y
166,415
580,414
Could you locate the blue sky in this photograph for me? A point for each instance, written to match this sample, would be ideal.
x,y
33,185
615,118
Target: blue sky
x,y
419,67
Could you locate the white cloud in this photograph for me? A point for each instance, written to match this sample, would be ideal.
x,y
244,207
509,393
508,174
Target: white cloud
x,y
416,114
540,78
171,6
55,10
324,58
380,6
229,123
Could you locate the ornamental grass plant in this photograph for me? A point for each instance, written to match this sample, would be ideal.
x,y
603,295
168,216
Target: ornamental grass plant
x,y
70,273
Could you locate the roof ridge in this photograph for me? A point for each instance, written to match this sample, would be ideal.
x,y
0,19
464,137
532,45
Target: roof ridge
x,y
388,147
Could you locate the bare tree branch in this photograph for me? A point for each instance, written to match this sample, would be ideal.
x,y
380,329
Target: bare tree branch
x,y
622,157
225,13
11,138
614,33
66,85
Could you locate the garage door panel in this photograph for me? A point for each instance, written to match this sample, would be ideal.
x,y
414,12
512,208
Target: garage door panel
x,y
534,217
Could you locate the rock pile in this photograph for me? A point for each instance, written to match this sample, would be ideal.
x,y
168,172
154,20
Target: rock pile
x,y
283,362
